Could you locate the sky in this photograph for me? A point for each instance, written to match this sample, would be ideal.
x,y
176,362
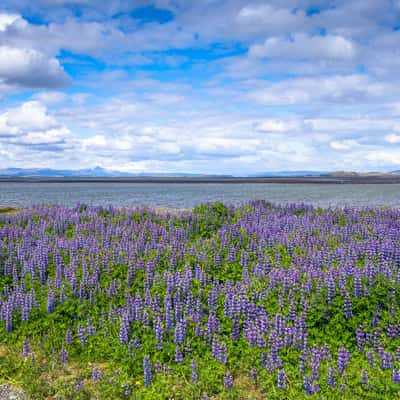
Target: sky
x,y
202,86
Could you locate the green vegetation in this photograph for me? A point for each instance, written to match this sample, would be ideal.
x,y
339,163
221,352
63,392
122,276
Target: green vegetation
x,y
251,302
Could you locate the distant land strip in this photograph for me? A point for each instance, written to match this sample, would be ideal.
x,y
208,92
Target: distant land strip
x,y
375,179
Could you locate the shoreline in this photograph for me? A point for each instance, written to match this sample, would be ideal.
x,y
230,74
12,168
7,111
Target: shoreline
x,y
206,180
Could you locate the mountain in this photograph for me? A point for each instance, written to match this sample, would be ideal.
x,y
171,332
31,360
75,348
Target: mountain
x,y
286,174
96,172
64,173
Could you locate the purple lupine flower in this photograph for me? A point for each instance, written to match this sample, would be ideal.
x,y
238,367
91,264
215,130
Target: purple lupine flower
x,y
386,360
97,374
360,338
254,375
124,329
158,367
315,386
180,333
82,334
307,385
396,376
26,348
343,359
281,384
332,377
370,358
147,372
195,375
397,356
347,307
68,337
90,327
63,355
50,300
364,377
357,286
228,380
158,332
178,354
315,362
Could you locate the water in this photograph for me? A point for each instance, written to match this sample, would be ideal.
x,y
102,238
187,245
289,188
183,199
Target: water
x,y
187,195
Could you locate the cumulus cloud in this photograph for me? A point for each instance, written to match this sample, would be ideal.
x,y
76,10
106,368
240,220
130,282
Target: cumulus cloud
x,y
343,144
22,63
304,46
30,68
6,20
392,138
266,18
31,124
346,89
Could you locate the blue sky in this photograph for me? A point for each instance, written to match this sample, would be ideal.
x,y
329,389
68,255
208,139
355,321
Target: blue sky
x,y
205,86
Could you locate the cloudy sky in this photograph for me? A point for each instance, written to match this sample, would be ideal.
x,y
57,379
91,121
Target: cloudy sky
x,y
228,86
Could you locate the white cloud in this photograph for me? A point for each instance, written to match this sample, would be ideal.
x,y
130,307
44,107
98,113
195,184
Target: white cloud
x,y
278,125
305,46
6,20
30,116
346,89
50,98
343,144
266,18
30,68
22,61
392,138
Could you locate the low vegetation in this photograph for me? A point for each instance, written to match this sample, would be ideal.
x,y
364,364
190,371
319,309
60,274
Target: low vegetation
x,y
260,301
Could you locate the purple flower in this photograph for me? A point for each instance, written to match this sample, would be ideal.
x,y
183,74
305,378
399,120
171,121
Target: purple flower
x,y
364,377
332,377
147,372
79,386
343,359
26,348
195,376
228,380
68,337
63,355
281,379
97,374
178,354
347,308
307,385
396,376
50,300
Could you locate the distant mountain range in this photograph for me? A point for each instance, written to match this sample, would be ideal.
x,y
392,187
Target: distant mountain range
x,y
96,172
47,172
99,172
285,173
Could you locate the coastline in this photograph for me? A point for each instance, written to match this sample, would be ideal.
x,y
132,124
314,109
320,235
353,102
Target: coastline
x,y
360,179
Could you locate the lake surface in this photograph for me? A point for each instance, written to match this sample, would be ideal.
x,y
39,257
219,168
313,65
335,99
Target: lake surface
x,y
186,195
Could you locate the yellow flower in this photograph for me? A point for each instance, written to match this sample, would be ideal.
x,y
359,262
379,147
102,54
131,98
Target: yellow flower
x,y
137,383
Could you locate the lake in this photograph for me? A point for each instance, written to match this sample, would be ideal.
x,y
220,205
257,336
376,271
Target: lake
x,y
187,195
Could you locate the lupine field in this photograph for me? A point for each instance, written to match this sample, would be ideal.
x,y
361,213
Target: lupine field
x,y
258,301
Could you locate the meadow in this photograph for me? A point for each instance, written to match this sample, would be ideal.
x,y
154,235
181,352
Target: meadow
x,y
258,301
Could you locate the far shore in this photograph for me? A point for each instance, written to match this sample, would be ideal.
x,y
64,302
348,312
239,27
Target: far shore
x,y
319,179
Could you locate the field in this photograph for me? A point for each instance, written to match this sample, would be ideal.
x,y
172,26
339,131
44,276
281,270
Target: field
x,y
259,301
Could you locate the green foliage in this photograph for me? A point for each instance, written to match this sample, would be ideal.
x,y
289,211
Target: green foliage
x,y
42,374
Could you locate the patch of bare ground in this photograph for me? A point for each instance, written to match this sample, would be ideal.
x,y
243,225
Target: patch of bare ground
x,y
8,210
